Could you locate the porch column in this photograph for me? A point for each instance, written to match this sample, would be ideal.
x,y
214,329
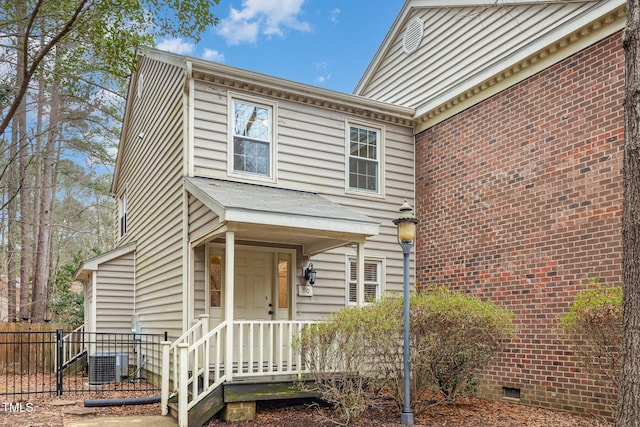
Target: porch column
x,y
228,301
360,275
191,316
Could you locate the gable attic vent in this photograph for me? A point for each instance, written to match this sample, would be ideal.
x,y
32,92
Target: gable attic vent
x,y
412,35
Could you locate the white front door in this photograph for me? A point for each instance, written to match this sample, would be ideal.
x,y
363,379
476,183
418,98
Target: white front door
x,y
253,285
262,292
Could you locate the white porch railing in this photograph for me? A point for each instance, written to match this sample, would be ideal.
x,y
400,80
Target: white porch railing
x,y
260,348
73,346
193,334
266,347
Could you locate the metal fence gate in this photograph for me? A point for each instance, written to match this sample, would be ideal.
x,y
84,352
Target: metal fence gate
x,y
60,362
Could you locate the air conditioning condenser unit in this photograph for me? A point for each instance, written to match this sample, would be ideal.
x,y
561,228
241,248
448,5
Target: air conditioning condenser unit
x,y
108,367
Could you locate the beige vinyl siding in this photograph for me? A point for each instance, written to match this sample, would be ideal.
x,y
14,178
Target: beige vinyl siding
x,y
151,169
443,61
201,218
311,156
210,131
115,294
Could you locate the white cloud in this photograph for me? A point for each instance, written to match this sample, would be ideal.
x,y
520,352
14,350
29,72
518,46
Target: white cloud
x,y
212,55
268,17
334,15
322,79
178,46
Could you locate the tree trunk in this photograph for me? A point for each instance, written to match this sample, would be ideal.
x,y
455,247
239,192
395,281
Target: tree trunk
x,y
26,214
12,228
628,410
42,260
37,191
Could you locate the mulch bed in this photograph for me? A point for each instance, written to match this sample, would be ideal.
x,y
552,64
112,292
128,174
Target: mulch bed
x,y
466,412
53,411
43,409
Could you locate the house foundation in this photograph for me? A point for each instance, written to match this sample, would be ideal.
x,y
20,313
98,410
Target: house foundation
x,y
239,411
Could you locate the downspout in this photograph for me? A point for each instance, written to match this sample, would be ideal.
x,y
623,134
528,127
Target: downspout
x,y
188,301
121,402
136,316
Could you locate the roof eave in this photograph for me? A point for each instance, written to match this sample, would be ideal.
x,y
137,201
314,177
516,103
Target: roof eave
x,y
92,264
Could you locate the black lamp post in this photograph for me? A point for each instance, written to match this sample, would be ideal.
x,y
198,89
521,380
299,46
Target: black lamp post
x,y
406,236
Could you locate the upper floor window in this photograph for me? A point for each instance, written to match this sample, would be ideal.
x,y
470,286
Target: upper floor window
x,y
252,151
371,281
364,158
122,214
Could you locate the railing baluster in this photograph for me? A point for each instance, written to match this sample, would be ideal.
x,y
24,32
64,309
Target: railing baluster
x,y
280,346
261,348
207,357
241,349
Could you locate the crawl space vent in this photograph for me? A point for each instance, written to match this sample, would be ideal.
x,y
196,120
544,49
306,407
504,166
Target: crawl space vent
x,y
412,35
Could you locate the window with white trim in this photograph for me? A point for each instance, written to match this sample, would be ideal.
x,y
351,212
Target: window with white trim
x,y
364,158
122,214
252,138
372,270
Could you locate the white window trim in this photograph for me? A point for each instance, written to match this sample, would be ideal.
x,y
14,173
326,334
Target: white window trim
x,y
381,156
210,251
382,274
233,96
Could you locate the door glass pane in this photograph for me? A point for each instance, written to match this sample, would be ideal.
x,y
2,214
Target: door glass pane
x,y
215,280
283,283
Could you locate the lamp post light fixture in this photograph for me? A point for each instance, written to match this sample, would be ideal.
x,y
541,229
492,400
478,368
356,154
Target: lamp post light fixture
x,y
406,224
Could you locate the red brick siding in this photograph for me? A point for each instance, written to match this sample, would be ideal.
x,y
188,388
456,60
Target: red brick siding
x,y
520,200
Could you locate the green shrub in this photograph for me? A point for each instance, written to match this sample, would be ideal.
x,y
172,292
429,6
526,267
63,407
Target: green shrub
x,y
343,354
454,336
65,305
593,329
358,352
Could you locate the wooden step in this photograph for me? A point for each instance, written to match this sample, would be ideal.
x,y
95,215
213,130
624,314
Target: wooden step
x,y
204,410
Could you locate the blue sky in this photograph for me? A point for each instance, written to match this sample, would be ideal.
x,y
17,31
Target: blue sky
x,y
325,43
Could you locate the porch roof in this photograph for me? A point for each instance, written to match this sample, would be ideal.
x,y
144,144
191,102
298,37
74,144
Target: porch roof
x,y
282,215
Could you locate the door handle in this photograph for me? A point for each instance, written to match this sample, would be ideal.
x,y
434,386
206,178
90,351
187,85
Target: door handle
x,y
270,311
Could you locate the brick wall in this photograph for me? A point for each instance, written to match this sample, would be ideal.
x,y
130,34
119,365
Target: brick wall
x,y
520,202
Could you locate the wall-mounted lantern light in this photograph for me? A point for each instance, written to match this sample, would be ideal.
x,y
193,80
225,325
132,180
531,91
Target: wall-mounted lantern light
x,y
310,274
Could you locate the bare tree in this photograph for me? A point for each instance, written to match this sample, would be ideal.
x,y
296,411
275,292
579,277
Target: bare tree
x,y
65,61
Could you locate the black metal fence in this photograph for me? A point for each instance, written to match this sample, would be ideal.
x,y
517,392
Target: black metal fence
x,y
59,362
